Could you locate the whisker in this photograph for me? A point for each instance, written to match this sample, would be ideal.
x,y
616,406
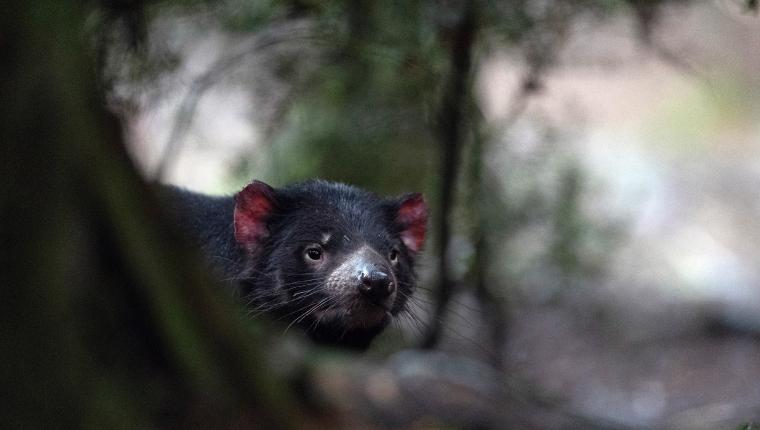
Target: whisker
x,y
309,311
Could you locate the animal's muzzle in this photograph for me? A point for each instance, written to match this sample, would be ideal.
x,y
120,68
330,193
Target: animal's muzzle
x,y
375,284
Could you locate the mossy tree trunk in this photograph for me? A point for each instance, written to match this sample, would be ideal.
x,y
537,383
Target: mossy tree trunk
x,y
107,321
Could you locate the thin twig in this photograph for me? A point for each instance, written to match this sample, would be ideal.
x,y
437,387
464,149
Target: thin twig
x,y
198,87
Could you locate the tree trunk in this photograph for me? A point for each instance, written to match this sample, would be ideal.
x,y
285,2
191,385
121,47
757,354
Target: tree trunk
x,y
107,321
449,130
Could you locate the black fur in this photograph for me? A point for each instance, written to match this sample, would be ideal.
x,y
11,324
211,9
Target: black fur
x,y
278,279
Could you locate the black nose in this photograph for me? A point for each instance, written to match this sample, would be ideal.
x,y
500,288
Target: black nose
x,y
375,285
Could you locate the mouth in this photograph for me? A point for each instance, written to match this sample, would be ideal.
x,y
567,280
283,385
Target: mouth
x,y
359,314
366,321
369,314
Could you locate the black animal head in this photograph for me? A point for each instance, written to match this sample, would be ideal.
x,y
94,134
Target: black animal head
x,y
331,258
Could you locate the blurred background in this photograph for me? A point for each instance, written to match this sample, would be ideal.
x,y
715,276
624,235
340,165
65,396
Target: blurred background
x,y
593,169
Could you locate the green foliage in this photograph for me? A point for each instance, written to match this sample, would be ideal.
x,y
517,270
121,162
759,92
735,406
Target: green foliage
x,y
694,119
362,118
246,16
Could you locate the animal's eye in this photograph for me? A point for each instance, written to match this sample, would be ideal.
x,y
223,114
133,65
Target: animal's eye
x,y
313,253
393,255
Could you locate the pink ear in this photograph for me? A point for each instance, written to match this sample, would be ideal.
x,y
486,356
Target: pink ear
x,y
253,206
412,217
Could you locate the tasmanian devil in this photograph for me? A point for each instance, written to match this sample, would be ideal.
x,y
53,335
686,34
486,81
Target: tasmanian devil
x,y
332,259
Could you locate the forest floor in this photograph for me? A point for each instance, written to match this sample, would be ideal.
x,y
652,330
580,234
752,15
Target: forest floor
x,y
699,379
